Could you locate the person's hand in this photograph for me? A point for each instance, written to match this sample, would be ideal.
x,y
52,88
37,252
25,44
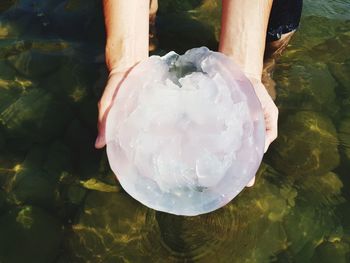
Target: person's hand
x,y
270,111
115,79
270,114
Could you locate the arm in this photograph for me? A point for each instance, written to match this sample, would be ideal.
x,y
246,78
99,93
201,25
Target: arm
x,y
243,33
127,33
243,36
127,44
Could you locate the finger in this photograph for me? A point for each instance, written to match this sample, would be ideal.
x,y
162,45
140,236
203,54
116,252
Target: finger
x,y
105,103
101,127
267,144
100,140
271,135
251,182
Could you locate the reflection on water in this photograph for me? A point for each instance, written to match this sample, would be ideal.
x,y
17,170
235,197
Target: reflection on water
x,y
60,202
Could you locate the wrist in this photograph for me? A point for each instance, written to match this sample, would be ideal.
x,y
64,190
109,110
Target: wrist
x,y
121,57
253,78
254,75
120,70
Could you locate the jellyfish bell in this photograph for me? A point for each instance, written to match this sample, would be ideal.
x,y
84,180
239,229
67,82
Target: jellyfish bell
x,y
185,134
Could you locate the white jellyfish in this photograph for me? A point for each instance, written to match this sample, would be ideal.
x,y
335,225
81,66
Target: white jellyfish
x,y
185,133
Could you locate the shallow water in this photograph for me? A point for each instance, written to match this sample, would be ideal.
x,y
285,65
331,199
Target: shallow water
x,y
59,200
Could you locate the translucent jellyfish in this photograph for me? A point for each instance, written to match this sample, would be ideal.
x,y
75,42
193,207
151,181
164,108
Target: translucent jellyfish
x,y
186,133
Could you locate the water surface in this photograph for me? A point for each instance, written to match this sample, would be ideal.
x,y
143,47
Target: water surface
x,y
59,200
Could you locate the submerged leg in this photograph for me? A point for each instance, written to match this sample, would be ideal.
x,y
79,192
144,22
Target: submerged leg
x,y
273,51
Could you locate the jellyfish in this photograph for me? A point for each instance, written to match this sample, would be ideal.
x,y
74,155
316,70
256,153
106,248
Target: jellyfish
x,y
185,133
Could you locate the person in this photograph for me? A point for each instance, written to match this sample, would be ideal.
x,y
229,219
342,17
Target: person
x,y
250,30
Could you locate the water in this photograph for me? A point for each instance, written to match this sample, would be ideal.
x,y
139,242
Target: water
x,y
59,201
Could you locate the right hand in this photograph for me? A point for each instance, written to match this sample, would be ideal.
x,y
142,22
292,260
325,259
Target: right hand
x,y
115,79
270,112
270,115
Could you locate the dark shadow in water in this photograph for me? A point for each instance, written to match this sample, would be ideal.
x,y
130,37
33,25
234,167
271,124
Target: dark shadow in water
x,y
179,32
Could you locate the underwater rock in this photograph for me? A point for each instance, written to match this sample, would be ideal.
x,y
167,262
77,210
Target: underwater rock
x,y
34,6
331,252
340,72
113,225
323,190
3,201
33,18
81,142
176,6
310,35
59,160
307,144
333,10
88,112
314,219
305,227
168,150
248,229
29,183
10,91
338,45
2,141
110,228
76,194
7,30
31,187
33,63
171,27
29,234
34,157
6,71
78,14
11,86
14,47
6,4
209,13
344,137
273,200
36,115
71,83
305,86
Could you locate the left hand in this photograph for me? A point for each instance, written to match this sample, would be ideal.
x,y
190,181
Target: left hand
x,y
270,111
105,104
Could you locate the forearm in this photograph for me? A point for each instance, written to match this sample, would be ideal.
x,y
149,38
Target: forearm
x,y
243,33
127,33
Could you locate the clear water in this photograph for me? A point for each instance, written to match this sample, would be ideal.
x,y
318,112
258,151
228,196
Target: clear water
x,y
60,202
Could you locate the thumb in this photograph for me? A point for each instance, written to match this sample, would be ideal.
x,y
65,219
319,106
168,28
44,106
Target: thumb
x,y
100,141
267,144
271,135
101,127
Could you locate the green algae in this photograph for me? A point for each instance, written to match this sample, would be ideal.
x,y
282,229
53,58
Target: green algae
x,y
36,233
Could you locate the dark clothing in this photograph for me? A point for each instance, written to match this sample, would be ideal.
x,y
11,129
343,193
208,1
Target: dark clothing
x,y
284,18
